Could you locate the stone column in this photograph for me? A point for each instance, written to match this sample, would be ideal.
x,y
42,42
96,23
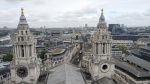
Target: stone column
x,y
106,48
18,50
32,49
100,48
94,48
109,49
14,50
25,51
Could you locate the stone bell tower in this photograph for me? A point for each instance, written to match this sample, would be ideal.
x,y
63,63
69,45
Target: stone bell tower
x,y
25,67
101,62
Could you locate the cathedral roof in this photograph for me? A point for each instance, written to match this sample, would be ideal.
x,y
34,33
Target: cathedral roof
x,y
102,18
23,21
104,80
65,74
101,23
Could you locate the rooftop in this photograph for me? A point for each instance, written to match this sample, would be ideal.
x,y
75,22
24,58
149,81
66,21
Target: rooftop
x,y
130,67
104,81
116,49
144,39
4,64
65,74
57,51
4,71
140,62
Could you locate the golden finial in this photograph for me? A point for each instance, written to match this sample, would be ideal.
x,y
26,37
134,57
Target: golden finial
x,y
22,13
102,12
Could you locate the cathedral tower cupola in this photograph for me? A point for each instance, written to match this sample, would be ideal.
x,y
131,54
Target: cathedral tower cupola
x,y
101,23
22,22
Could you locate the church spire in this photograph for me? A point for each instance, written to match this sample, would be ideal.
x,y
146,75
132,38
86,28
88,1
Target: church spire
x,y
102,18
23,22
101,23
22,12
102,14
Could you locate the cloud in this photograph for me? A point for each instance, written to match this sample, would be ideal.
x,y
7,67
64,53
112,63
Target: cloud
x,y
60,13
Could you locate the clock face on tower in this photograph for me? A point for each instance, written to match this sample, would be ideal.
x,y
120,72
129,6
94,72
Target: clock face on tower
x,y
22,71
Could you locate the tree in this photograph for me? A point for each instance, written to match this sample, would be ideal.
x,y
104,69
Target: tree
x,y
7,57
122,48
42,54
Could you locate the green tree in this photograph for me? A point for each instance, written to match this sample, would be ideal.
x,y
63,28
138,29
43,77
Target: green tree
x,y
42,54
7,57
122,48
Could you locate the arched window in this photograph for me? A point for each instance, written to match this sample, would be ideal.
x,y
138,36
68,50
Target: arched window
x,y
18,38
22,49
26,32
21,32
22,39
30,50
102,37
96,48
103,48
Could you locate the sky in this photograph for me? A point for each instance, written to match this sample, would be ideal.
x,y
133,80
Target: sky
x,y
74,13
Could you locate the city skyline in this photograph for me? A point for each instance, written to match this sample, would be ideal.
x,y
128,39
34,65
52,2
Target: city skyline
x,y
70,13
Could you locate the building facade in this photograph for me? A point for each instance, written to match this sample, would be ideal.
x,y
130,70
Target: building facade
x,y
116,52
25,67
101,62
126,43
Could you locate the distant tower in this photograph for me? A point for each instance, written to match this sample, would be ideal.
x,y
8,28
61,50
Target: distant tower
x,y
25,67
86,25
101,62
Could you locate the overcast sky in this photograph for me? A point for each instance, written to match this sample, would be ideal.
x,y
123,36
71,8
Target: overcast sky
x,y
74,13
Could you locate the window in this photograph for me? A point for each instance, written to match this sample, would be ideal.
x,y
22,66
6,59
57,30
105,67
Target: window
x,y
26,32
96,48
21,32
103,48
22,39
102,37
28,38
18,39
30,50
22,49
